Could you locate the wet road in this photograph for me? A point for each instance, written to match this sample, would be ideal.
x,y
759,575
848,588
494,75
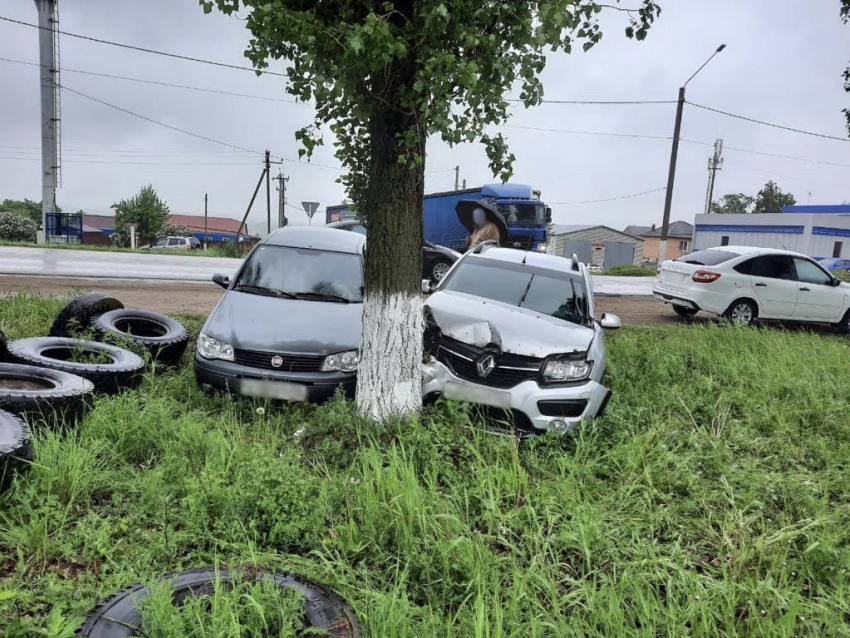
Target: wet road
x,y
54,262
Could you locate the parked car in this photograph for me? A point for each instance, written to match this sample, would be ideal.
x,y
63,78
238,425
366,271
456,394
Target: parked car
x,y
744,283
436,260
175,243
833,263
288,327
515,331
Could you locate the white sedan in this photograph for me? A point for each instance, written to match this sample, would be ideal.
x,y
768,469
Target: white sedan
x,y
743,284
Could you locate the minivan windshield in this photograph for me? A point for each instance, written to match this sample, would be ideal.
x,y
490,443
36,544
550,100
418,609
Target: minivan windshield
x,y
303,273
549,292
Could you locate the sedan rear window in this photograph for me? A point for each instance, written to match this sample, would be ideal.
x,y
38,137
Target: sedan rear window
x,y
707,257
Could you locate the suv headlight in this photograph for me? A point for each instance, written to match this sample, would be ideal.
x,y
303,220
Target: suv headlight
x,y
341,362
564,370
210,348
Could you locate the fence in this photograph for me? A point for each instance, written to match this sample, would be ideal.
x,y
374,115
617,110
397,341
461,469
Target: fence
x,y
63,229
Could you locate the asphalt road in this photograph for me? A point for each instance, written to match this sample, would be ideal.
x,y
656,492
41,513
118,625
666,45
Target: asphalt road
x,y
54,262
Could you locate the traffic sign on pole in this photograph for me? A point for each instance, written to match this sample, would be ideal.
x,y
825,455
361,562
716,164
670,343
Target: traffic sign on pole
x,y
310,208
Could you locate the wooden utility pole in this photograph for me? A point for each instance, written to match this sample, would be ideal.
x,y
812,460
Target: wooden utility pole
x,y
268,193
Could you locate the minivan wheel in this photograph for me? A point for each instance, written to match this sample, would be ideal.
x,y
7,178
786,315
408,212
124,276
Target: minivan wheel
x,y
742,312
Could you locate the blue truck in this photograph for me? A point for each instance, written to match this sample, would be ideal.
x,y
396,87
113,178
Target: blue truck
x,y
527,216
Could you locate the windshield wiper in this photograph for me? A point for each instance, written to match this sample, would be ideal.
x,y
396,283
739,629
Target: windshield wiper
x,y
262,290
320,296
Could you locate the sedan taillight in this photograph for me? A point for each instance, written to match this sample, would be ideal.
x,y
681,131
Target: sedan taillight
x,y
705,276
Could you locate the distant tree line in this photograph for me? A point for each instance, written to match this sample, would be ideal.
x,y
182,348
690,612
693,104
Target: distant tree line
x,y
769,199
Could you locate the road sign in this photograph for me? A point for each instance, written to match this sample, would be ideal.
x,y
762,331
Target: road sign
x,y
310,208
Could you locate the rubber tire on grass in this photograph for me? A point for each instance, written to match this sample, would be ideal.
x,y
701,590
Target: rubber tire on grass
x,y
118,616
165,348
4,349
684,312
125,370
64,400
77,315
15,448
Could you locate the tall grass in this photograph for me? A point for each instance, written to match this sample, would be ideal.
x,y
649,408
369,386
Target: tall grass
x,y
713,499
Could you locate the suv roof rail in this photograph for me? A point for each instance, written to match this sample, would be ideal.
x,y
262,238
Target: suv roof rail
x,y
575,263
484,245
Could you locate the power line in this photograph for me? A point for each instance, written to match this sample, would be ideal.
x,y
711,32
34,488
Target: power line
x,y
134,163
599,102
779,126
168,84
611,199
145,50
579,132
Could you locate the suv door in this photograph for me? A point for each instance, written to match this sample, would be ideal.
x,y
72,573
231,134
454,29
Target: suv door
x,y
774,285
817,298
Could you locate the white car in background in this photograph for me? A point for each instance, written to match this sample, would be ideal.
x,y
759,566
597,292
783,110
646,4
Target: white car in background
x,y
744,283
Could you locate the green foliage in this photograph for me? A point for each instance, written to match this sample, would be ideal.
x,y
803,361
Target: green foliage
x,y
25,208
629,270
14,227
843,275
771,199
734,203
712,499
245,608
145,209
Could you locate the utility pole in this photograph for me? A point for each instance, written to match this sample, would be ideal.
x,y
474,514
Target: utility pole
x,y
457,178
268,192
48,58
206,213
674,155
281,200
715,163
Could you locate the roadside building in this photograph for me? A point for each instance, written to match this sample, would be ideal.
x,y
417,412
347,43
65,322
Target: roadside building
x,y
679,241
596,245
817,231
97,229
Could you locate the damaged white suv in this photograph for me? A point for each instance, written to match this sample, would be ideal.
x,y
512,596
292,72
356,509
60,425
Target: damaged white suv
x,y
515,331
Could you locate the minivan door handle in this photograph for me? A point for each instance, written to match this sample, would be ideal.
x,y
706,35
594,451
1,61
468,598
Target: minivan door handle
x,y
761,285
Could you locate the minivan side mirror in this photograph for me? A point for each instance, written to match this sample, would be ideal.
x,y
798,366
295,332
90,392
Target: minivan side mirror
x,y
610,322
221,279
426,287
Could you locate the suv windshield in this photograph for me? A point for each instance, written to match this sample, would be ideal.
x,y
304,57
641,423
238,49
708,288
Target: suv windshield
x,y
302,272
707,257
549,292
524,214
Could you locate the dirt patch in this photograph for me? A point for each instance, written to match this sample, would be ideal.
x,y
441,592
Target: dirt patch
x,y
12,383
637,310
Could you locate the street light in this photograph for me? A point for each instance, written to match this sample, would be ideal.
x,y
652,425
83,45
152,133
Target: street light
x,y
674,154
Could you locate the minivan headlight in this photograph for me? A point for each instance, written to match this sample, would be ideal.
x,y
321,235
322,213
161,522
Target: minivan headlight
x,y
563,370
341,361
210,348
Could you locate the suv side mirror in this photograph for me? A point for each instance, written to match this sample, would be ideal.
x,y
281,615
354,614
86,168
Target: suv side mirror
x,y
221,280
610,322
836,282
426,287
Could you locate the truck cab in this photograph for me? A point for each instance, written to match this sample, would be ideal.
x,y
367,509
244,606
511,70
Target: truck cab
x,y
526,215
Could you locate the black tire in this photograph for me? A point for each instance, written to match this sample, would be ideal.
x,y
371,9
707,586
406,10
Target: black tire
x,y
57,397
4,350
844,326
15,447
118,616
77,315
684,311
163,337
742,312
124,371
439,269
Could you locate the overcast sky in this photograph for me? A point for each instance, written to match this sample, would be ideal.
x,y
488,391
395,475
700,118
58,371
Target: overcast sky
x,y
783,64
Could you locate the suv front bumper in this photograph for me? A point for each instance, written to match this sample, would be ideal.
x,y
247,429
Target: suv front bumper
x,y
550,409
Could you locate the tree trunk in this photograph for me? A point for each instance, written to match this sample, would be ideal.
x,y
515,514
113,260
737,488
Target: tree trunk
x,y
389,377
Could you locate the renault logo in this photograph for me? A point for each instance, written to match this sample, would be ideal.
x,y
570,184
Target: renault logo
x,y
485,364
277,361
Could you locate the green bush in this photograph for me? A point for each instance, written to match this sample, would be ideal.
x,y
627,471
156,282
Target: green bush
x,y
629,270
14,227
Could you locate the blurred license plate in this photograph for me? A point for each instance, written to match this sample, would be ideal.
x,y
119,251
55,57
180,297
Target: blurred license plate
x,y
477,394
280,390
666,275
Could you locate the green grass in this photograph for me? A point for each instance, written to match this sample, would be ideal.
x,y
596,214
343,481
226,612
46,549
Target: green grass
x,y
713,499
629,270
209,252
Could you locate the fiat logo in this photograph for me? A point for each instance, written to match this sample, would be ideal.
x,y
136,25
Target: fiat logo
x,y
277,361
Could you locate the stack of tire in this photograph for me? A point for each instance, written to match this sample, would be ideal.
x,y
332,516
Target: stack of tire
x,y
43,377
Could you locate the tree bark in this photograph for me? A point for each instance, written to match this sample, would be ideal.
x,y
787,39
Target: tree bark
x,y
389,375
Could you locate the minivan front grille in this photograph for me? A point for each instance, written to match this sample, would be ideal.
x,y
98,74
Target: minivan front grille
x,y
510,370
289,362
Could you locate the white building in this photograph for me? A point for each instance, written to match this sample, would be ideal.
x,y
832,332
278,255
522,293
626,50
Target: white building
x,y
817,231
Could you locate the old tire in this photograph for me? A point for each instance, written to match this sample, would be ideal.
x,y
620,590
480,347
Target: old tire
x,y
77,315
55,396
124,370
161,336
15,447
741,312
684,311
4,349
118,617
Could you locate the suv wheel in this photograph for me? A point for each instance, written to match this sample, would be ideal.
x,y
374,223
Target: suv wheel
x,y
742,312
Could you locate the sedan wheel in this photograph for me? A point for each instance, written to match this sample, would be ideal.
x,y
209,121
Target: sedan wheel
x,y
741,313
439,270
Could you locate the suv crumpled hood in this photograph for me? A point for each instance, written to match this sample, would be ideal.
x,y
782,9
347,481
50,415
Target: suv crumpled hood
x,y
270,324
480,322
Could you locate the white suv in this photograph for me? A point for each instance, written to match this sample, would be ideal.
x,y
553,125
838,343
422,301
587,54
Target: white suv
x,y
744,283
515,331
